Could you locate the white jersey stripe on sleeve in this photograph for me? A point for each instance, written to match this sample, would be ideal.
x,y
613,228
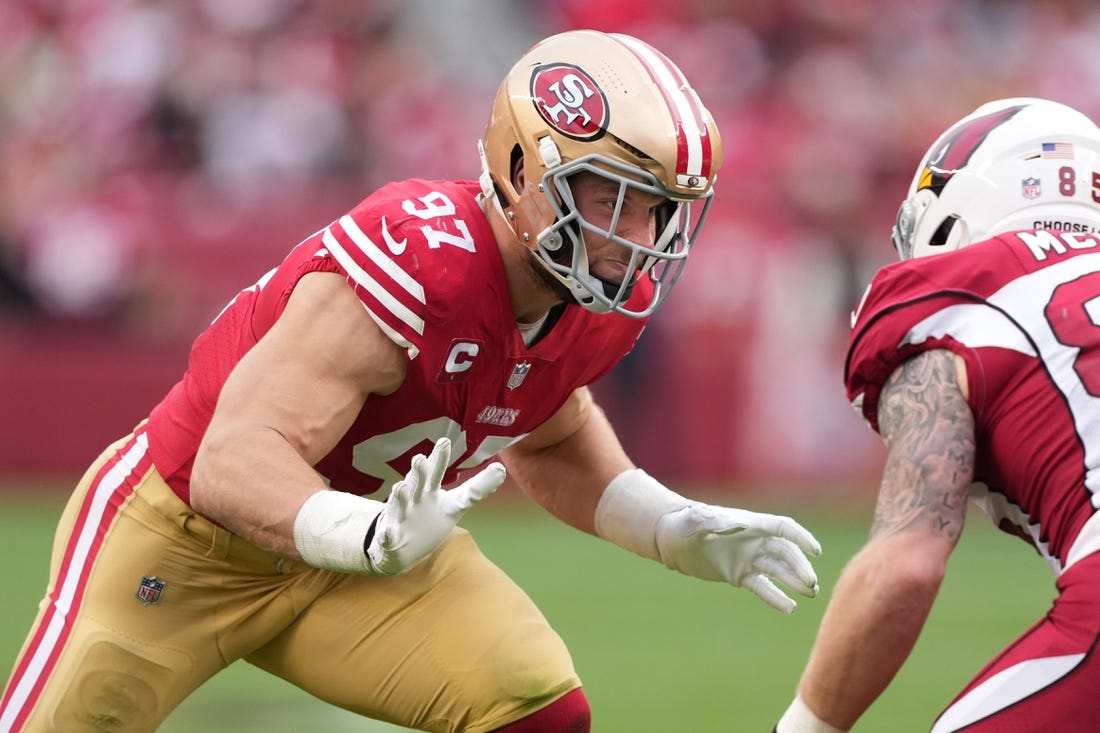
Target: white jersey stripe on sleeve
x,y
378,257
372,286
975,325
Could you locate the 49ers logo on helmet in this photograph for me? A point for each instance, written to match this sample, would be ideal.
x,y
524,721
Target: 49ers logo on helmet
x,y
568,98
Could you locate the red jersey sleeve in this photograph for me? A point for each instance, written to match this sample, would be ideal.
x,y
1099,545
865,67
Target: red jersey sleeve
x,y
924,304
1023,311
385,244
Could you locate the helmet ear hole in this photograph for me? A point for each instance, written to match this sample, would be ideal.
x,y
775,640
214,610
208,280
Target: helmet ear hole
x,y
515,167
939,237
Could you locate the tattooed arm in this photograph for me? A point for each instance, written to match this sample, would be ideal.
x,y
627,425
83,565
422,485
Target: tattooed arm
x,y
883,597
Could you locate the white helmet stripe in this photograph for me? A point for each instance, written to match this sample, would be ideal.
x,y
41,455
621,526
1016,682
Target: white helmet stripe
x,y
693,139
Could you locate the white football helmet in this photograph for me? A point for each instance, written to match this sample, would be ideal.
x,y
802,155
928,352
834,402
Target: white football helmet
x,y
611,105
1012,164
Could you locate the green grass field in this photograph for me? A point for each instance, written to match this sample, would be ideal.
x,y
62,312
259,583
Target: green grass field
x,y
657,651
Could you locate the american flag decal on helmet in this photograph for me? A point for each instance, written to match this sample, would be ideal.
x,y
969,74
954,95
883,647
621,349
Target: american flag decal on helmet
x,y
1063,151
693,159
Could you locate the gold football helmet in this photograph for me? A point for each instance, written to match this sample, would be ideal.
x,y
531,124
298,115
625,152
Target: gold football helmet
x,y
613,105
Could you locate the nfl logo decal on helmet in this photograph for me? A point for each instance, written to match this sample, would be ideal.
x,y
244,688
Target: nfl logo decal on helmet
x,y
1031,188
150,590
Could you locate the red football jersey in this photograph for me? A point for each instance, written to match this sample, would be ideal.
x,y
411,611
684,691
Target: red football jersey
x,y
1023,310
424,261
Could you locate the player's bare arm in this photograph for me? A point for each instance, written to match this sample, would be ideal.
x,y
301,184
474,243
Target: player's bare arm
x,y
574,466
885,593
286,404
566,462
929,434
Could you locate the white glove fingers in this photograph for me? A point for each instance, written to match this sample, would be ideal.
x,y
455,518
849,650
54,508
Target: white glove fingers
x,y
415,520
416,478
474,489
789,555
796,533
399,500
770,593
780,571
436,464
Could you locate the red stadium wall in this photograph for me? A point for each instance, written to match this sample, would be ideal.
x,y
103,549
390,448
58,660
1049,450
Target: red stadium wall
x,y
69,391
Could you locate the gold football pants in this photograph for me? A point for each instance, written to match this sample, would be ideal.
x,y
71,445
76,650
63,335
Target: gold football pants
x,y
147,600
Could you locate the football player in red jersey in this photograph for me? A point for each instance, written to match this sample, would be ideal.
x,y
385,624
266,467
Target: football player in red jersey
x,y
434,327
977,359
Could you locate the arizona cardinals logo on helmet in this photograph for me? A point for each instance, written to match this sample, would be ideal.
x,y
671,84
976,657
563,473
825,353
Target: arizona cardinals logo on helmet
x,y
570,101
955,151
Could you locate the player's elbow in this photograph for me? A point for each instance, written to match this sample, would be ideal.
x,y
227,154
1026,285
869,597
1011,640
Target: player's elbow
x,y
204,498
924,566
200,496
919,579
918,563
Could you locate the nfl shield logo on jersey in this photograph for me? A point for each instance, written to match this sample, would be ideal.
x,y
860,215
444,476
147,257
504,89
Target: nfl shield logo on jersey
x,y
1031,188
519,373
150,590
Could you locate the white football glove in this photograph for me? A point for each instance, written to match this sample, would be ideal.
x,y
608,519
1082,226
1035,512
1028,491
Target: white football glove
x,y
353,534
419,514
741,548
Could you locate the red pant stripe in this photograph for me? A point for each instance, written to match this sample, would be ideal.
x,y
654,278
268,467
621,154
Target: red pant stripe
x,y
108,493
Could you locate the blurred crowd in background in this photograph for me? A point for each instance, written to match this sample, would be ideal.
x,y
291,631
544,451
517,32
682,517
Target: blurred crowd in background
x,y
156,156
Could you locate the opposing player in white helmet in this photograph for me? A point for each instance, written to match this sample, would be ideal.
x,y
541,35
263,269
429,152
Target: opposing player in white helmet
x,y
977,359
999,170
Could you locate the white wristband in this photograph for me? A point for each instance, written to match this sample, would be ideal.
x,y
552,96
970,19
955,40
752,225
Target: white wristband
x,y
630,508
800,719
330,530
